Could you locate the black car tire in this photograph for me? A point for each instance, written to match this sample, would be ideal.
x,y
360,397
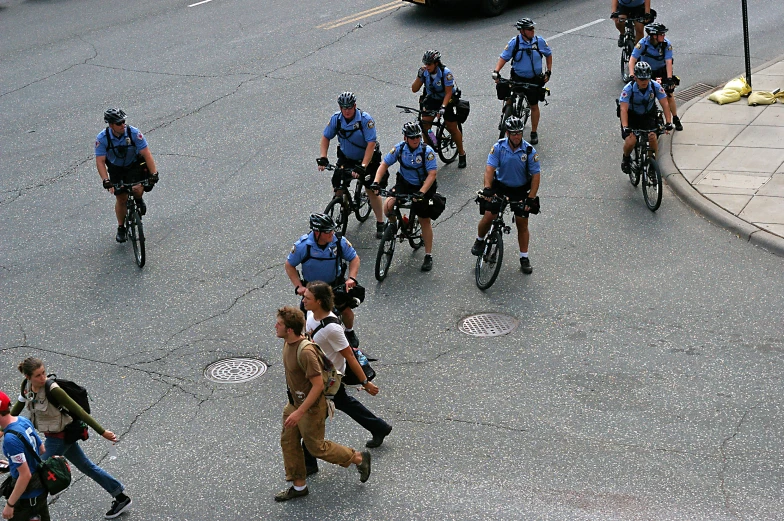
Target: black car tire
x,y
493,7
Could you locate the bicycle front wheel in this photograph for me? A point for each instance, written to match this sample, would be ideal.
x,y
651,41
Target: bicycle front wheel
x,y
504,116
488,264
447,147
386,249
634,171
652,185
337,211
362,208
625,55
136,232
415,233
524,109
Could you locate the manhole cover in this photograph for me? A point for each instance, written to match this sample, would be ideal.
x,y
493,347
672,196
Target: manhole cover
x,y
235,370
488,324
698,89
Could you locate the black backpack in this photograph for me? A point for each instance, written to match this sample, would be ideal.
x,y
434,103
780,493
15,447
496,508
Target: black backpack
x,y
72,389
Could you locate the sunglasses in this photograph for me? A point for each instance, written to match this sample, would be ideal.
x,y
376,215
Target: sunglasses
x,y
119,123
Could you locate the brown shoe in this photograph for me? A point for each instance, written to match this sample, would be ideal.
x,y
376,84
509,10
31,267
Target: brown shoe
x,y
291,493
364,467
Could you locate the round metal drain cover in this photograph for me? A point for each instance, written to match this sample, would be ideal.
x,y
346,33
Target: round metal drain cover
x,y
488,324
235,370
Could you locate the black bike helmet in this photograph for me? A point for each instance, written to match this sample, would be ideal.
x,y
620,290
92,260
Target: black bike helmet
x,y
411,129
347,100
642,71
431,56
114,115
320,222
655,29
514,124
524,23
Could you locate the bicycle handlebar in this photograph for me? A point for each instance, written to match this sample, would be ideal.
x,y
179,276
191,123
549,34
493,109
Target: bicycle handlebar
x,y
497,199
519,84
122,184
412,110
403,198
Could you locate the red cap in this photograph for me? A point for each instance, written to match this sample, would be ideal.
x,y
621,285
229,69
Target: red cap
x,y
5,402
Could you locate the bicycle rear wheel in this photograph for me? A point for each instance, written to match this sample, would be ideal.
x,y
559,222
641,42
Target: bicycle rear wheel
x,y
362,208
339,214
652,185
136,232
447,147
386,249
488,264
415,233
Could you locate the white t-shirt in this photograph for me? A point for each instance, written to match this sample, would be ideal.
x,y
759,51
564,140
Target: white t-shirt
x,y
331,338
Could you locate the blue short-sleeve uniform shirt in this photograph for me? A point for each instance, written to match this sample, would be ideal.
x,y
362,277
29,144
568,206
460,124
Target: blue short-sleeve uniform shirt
x,y
652,53
354,135
527,61
323,263
124,149
414,164
642,102
513,167
17,453
631,3
436,83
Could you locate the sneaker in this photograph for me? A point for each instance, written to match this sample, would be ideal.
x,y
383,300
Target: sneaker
x,y
353,341
122,234
364,467
626,164
309,471
461,161
142,206
291,493
525,265
118,507
534,138
478,247
621,40
427,264
376,441
379,230
677,122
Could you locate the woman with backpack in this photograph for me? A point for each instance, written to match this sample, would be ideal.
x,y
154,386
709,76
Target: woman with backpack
x,y
59,418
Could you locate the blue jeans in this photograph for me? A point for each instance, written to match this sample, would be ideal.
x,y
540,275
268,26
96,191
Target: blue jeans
x,y
73,453
357,412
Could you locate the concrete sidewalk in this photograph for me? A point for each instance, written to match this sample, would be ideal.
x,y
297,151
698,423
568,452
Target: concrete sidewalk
x,y
728,162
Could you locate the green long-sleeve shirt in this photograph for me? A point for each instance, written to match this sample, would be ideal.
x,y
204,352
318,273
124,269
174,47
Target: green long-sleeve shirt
x,y
74,409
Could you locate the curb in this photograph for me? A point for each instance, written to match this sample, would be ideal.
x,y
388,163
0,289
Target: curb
x,y
710,210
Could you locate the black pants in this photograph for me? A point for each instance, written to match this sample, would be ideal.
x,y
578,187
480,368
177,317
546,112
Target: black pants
x,y
357,412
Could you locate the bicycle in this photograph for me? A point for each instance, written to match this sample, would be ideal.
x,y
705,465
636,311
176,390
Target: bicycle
x,y
344,203
629,41
133,220
411,230
518,106
644,166
488,263
445,145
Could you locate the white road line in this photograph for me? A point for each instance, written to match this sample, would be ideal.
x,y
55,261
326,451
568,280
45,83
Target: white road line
x,y
575,29
199,3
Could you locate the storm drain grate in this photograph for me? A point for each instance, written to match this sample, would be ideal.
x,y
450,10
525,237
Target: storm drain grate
x,y
698,89
488,324
235,370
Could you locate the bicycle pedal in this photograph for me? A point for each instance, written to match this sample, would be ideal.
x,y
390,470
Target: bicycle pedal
x,y
507,230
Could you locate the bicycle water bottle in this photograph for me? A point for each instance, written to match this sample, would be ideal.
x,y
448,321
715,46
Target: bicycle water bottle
x,y
432,137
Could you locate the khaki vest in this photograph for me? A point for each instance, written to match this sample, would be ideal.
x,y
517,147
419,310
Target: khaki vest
x,y
45,416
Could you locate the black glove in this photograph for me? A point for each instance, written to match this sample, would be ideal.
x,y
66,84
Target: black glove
x,y
360,171
488,192
375,186
626,132
151,180
648,17
107,183
322,161
668,127
496,75
532,204
614,14
154,178
418,196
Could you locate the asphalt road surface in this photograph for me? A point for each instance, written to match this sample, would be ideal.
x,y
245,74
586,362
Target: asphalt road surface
x,y
643,380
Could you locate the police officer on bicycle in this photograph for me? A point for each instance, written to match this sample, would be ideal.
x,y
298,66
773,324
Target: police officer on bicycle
x,y
526,51
656,50
357,149
417,176
122,155
622,9
638,111
512,171
441,94
323,256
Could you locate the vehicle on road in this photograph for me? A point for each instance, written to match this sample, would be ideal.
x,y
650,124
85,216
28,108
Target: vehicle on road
x,y
488,263
486,7
133,221
644,166
344,203
405,228
444,145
